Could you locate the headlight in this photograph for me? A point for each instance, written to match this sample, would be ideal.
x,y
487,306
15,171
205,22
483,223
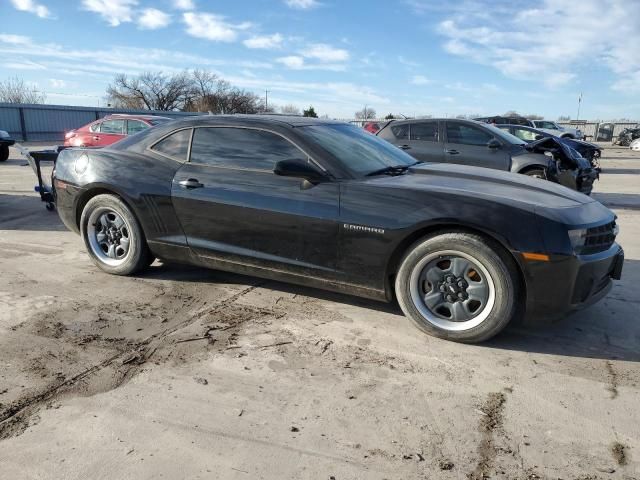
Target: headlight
x,y
578,238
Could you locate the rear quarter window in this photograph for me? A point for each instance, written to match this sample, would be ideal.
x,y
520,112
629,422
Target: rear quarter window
x,y
175,146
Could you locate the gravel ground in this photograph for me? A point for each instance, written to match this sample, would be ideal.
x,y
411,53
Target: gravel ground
x,y
189,373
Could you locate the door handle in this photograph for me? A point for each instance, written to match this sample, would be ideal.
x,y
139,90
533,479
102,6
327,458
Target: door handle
x,y
405,147
452,152
96,138
190,183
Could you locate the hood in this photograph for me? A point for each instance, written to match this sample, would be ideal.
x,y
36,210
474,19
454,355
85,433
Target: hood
x,y
488,184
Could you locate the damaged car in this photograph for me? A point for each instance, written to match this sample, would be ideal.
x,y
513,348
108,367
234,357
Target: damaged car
x,y
588,150
468,142
325,204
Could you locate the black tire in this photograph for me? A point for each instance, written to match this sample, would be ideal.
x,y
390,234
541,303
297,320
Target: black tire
x,y
137,256
489,261
536,173
4,153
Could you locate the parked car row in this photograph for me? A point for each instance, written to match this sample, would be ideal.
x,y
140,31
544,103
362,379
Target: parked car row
x,y
469,142
545,125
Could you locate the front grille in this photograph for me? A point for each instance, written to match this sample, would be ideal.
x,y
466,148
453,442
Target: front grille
x,y
599,238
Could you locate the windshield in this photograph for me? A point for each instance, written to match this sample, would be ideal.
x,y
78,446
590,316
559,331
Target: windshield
x,y
357,149
506,136
547,125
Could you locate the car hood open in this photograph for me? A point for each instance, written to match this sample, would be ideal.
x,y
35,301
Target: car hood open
x,y
488,184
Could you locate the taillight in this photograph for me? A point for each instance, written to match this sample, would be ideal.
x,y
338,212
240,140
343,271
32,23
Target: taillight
x,y
70,134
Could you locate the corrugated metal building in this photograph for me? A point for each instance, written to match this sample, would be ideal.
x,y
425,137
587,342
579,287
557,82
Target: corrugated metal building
x,y
43,123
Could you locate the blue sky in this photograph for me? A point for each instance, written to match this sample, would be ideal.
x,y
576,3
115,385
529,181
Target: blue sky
x,y
415,57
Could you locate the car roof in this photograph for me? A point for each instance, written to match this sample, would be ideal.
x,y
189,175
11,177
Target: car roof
x,y
255,120
134,116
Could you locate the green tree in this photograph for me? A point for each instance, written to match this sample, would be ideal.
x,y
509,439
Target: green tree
x,y
310,112
389,117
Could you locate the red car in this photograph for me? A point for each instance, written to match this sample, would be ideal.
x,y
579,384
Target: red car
x,y
110,129
371,127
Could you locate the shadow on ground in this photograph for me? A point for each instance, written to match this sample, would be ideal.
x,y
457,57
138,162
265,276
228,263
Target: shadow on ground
x,y
591,333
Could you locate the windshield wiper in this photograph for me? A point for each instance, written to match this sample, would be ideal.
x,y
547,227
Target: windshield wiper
x,y
391,170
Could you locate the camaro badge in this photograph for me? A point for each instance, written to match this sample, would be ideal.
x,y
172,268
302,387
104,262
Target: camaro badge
x,y
362,228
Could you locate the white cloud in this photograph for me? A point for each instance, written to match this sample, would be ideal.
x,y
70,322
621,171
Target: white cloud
x,y
32,7
264,41
549,42
212,27
420,80
57,83
25,65
184,5
14,39
326,53
302,4
152,19
114,12
292,61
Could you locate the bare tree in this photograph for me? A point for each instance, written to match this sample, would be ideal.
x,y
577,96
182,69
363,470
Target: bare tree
x,y
365,114
290,110
15,90
196,91
152,91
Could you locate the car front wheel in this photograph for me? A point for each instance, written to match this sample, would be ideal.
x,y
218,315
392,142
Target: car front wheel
x,y
536,173
113,237
4,153
458,286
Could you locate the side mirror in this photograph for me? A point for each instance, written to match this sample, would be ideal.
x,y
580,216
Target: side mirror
x,y
493,144
299,169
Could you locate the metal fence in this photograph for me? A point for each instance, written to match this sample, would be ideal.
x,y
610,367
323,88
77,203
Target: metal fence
x,y
43,123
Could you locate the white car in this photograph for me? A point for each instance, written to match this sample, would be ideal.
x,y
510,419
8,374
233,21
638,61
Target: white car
x,y
557,130
635,145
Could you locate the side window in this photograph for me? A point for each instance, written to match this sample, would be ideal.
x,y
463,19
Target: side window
x,y
135,126
241,148
175,145
526,135
425,131
466,134
112,126
401,132
95,127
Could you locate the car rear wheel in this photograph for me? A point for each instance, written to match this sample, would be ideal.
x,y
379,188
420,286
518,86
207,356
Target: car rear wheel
x,y
4,153
113,237
458,286
536,173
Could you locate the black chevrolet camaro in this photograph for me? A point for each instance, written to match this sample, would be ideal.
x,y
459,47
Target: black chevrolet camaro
x,y
325,204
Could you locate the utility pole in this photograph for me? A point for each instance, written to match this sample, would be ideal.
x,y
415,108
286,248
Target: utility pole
x,y
579,102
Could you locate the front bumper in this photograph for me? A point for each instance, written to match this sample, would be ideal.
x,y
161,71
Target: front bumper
x,y
569,283
7,142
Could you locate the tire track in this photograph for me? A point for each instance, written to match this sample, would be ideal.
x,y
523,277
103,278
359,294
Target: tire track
x,y
14,420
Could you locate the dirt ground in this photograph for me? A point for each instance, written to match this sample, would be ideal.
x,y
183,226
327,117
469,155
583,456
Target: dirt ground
x,y
189,373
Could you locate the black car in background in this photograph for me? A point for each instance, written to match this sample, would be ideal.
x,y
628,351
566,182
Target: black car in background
x,y
588,150
5,142
468,142
326,204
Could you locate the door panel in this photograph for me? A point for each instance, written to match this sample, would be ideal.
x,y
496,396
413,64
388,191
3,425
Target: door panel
x,y
424,144
467,145
259,218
